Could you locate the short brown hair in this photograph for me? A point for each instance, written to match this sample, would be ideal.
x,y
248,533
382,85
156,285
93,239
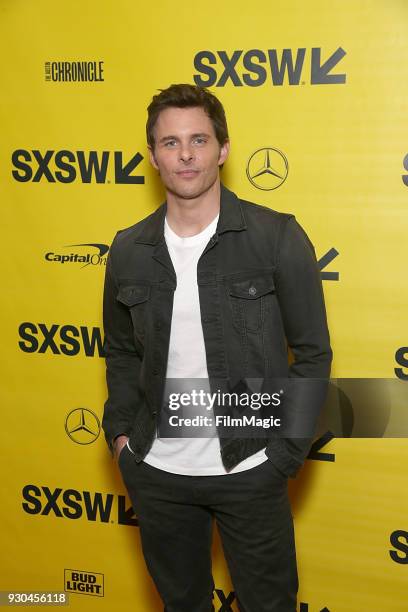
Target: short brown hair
x,y
183,96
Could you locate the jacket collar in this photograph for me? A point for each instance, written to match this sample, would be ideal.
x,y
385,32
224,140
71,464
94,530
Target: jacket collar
x,y
231,219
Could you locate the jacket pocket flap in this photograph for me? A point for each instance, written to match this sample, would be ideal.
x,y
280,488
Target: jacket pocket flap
x,y
133,294
252,288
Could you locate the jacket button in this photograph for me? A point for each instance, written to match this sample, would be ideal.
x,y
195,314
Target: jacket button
x,y
155,372
157,325
154,414
252,290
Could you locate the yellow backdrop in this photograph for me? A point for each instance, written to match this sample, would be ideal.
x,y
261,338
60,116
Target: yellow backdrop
x,y
314,90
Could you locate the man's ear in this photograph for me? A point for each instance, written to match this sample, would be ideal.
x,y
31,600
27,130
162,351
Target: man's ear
x,y
152,157
224,151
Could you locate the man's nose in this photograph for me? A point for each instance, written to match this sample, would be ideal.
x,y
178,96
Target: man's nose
x,y
186,153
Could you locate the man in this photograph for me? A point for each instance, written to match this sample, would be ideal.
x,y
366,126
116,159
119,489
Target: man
x,y
214,288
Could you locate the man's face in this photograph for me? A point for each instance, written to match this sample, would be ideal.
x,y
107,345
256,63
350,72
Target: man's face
x,y
187,153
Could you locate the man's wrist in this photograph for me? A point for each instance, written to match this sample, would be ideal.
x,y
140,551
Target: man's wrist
x,y
118,437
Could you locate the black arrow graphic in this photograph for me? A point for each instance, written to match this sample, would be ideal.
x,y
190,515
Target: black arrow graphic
x,y
320,72
122,173
316,446
324,261
125,515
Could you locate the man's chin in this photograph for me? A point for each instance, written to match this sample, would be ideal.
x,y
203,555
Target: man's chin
x,y
189,192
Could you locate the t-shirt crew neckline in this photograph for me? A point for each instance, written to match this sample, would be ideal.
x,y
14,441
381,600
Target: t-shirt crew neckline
x,y
190,240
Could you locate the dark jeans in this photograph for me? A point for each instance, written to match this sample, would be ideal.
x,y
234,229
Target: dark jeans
x,y
254,520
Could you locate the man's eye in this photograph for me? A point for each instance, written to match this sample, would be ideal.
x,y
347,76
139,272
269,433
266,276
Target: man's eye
x,y
200,140
169,143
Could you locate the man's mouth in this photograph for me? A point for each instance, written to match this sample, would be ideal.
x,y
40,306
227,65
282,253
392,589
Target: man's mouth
x,y
187,173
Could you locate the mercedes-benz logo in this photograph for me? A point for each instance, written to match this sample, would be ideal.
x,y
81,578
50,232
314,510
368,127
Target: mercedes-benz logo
x,y
82,426
267,168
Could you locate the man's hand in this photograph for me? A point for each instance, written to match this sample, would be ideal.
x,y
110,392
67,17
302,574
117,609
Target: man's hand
x,y
118,445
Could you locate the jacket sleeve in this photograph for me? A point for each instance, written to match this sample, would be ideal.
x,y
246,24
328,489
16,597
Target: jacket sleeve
x,y
301,301
123,362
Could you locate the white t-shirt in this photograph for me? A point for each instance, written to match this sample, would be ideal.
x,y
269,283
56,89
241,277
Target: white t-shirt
x,y
187,359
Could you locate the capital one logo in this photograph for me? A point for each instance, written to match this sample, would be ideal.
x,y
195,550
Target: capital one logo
x,y
255,67
95,258
68,166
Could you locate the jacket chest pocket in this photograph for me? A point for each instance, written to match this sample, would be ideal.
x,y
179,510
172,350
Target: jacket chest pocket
x,y
136,298
248,299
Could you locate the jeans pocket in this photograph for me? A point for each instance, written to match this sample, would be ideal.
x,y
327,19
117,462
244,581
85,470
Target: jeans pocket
x,y
278,473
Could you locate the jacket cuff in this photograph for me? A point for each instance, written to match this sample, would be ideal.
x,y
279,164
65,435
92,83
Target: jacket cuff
x,y
111,442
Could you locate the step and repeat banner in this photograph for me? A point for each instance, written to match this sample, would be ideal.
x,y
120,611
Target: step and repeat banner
x,y
316,100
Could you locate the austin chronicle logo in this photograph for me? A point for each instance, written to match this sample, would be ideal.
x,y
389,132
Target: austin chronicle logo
x,y
267,168
82,426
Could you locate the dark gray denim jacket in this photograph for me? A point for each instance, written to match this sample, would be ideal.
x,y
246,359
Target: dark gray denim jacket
x,y
260,292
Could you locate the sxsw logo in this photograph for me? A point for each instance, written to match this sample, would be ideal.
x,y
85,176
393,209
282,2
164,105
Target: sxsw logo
x,y
304,607
73,504
225,600
68,166
399,540
84,583
401,357
58,339
256,66
405,176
